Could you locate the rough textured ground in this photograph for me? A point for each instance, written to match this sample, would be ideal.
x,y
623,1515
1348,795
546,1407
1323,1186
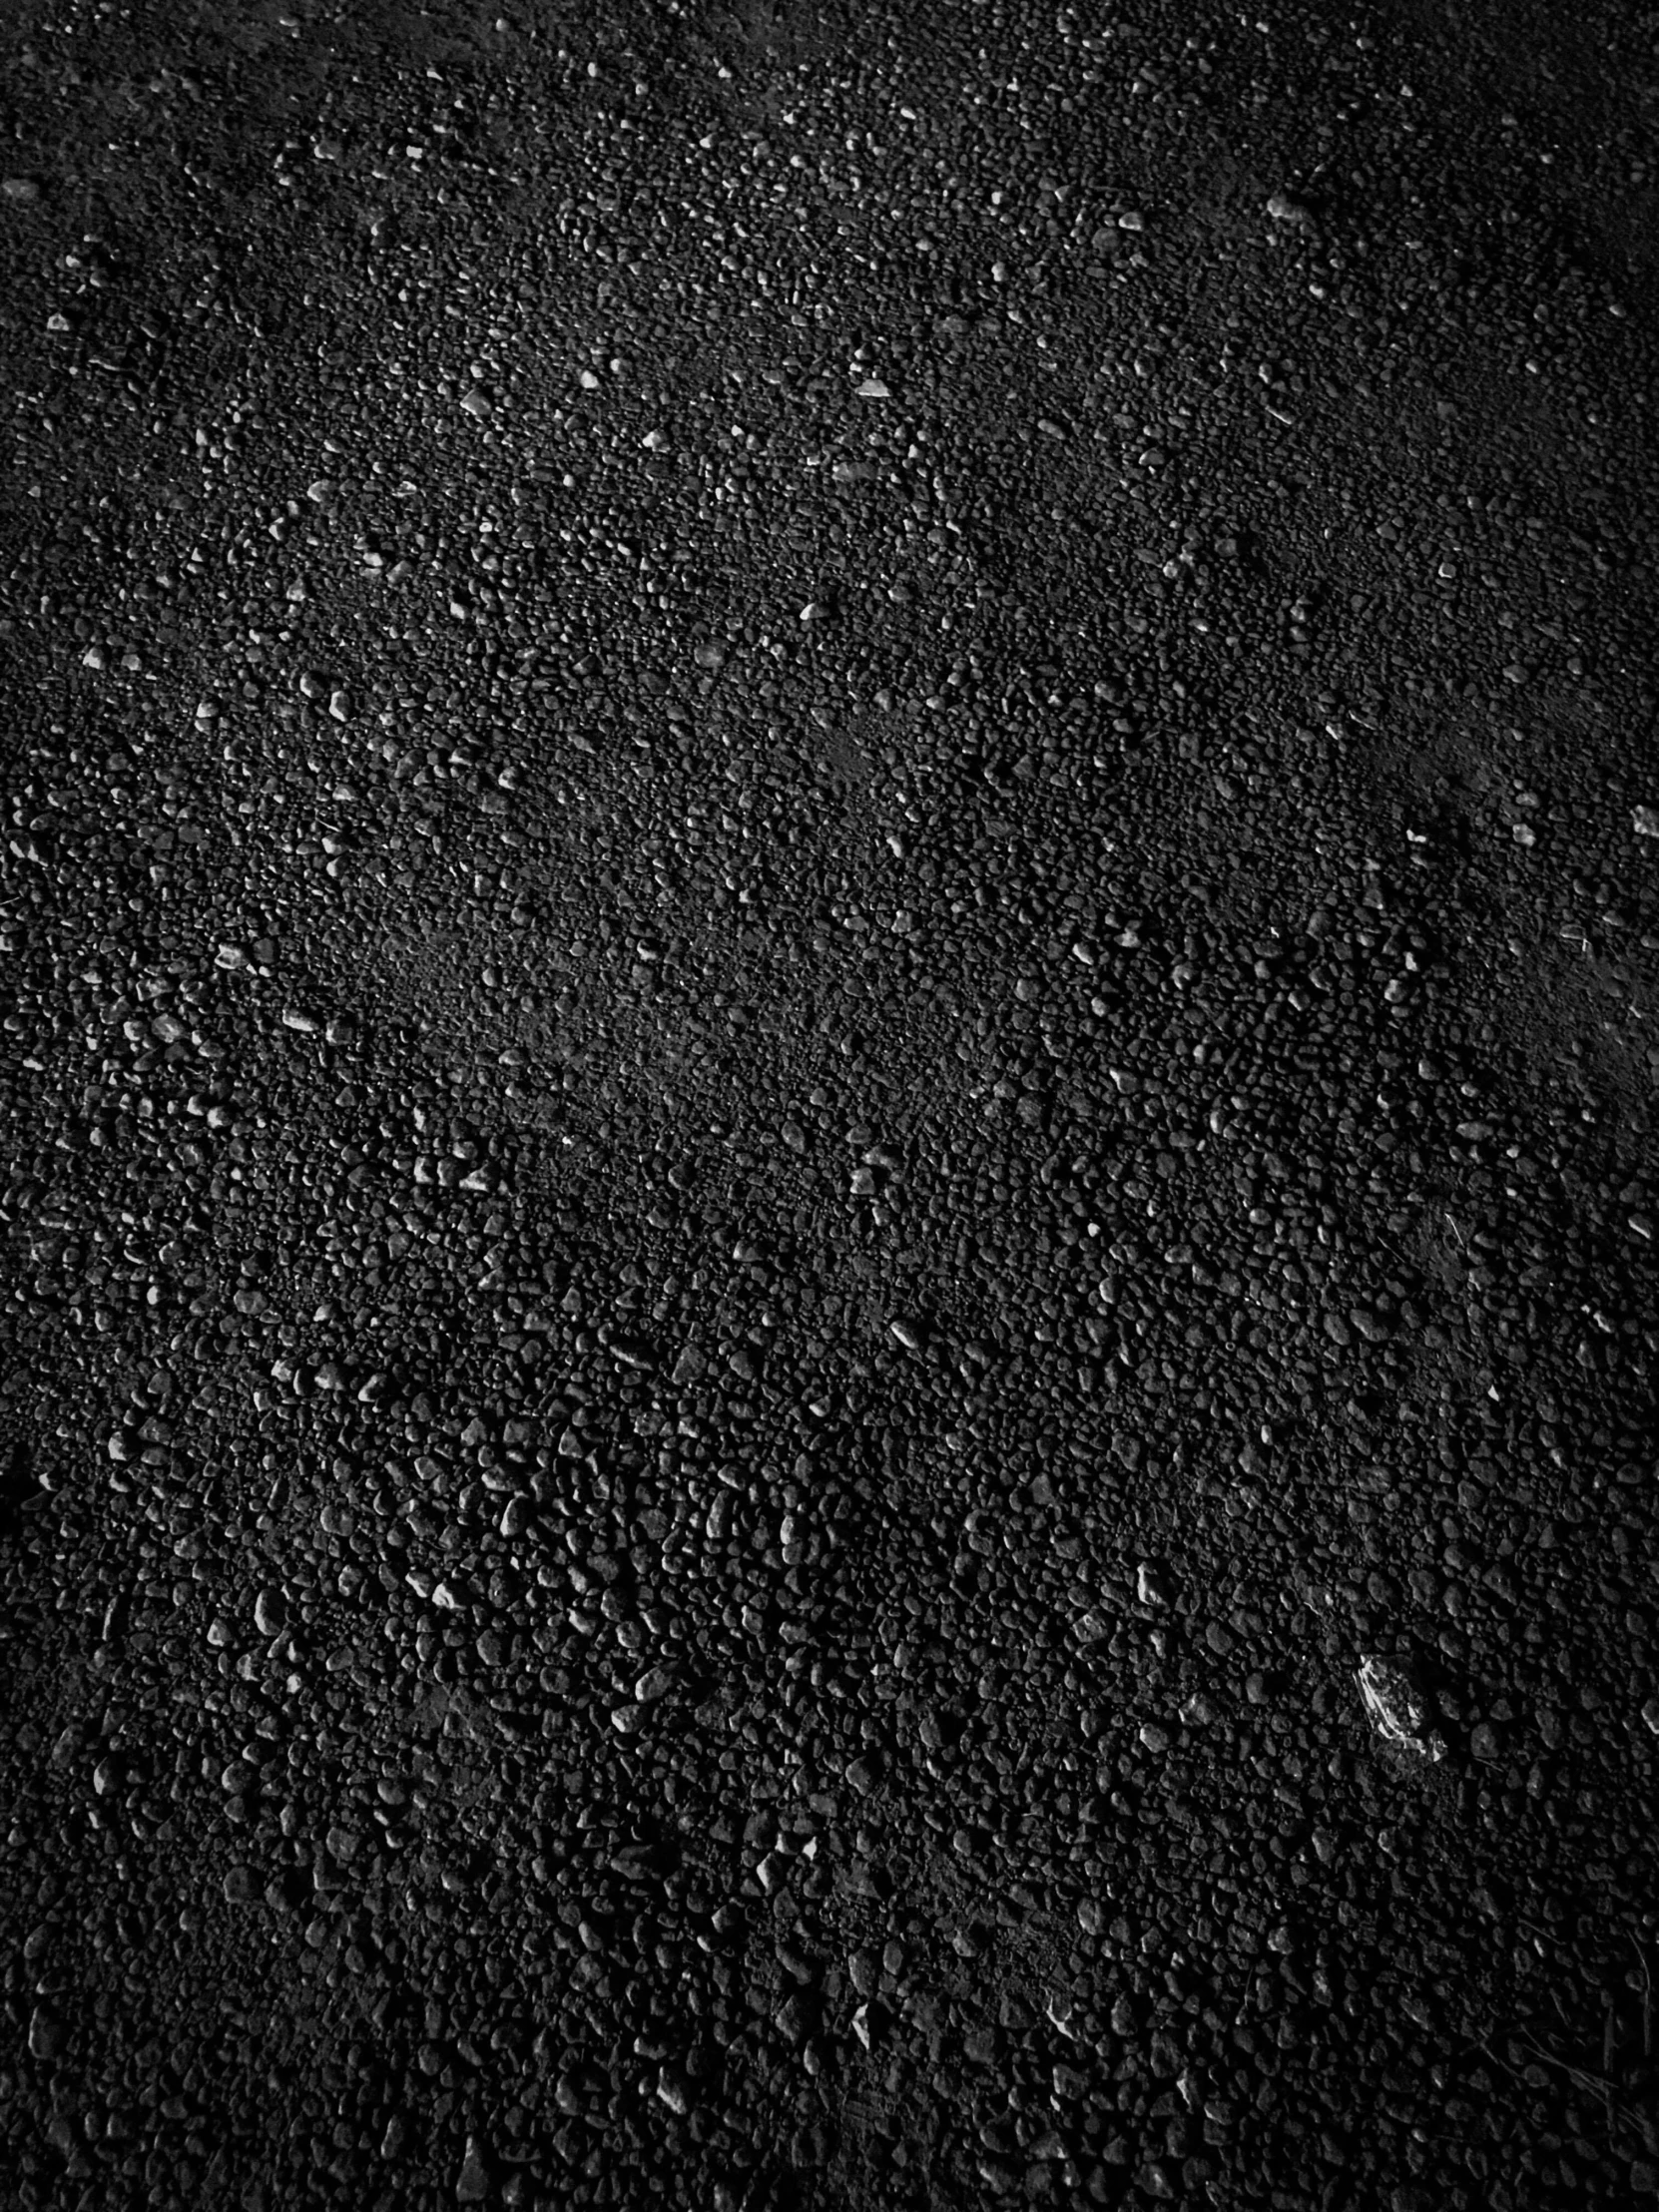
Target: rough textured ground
x,y
830,1030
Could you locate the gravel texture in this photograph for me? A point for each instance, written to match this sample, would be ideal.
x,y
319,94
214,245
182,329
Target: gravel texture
x,y
828,1123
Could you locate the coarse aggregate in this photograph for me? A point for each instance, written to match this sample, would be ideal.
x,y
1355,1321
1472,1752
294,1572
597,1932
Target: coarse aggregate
x,y
826,1120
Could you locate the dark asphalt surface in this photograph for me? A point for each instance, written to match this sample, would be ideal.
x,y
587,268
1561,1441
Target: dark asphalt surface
x,y
827,1107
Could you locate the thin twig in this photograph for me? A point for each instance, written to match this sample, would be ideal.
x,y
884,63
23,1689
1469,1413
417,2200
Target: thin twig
x,y
1595,2085
1647,1998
